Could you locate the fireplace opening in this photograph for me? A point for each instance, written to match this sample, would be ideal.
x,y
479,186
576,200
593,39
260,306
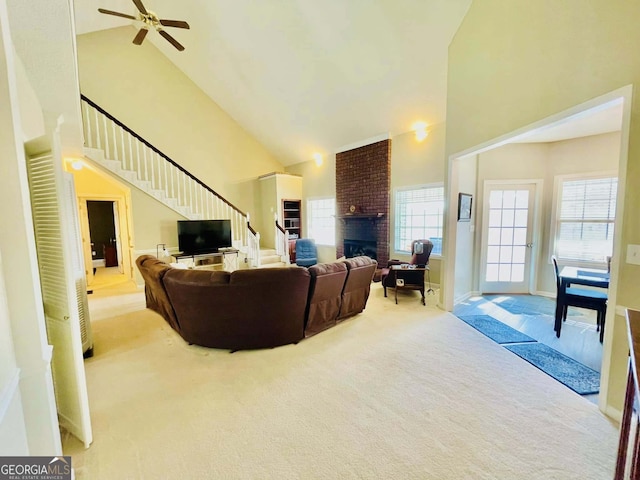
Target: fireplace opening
x,y
357,248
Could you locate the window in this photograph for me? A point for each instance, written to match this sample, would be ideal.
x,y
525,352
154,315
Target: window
x,y
419,214
585,219
321,220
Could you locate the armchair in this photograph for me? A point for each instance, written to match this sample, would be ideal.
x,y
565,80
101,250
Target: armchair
x,y
420,253
306,252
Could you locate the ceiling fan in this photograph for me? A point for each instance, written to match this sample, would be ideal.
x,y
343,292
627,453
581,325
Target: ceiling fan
x,y
150,20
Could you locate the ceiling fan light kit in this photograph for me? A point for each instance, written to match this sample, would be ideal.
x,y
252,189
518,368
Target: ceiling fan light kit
x,y
150,20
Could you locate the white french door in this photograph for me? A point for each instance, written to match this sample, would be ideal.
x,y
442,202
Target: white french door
x,y
508,219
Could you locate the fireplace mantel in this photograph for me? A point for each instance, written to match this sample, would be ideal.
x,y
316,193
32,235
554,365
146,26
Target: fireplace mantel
x,y
365,216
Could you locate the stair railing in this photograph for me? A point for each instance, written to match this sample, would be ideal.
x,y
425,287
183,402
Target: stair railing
x,y
282,241
165,178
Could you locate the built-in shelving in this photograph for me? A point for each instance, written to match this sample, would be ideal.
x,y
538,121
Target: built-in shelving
x,y
291,215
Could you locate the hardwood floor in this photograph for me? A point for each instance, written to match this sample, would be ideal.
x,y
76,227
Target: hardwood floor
x,y
534,316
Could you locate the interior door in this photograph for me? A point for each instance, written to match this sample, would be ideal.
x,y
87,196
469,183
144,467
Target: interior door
x,y
63,284
86,240
116,239
508,215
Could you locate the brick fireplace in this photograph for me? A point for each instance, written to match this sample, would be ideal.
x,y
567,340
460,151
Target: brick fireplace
x,y
363,180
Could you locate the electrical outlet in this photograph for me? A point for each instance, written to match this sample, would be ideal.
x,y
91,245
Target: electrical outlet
x,y
633,254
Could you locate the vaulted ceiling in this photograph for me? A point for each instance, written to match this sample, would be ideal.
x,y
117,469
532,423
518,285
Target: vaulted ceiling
x,y
305,76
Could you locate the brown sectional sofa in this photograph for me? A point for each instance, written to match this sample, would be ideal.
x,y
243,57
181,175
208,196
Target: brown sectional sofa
x,y
256,308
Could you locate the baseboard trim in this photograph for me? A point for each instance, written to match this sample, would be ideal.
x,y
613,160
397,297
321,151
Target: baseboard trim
x,y
545,294
464,297
613,413
8,393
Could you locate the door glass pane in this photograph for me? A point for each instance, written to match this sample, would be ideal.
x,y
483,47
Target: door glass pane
x,y
493,254
519,254
509,199
495,218
519,236
494,236
507,217
521,218
495,199
506,236
522,199
492,272
517,273
505,254
504,274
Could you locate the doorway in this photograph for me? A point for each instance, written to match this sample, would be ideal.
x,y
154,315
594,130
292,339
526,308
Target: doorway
x,y
102,217
106,238
507,237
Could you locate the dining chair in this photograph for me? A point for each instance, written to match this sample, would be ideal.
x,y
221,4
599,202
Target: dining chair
x,y
579,297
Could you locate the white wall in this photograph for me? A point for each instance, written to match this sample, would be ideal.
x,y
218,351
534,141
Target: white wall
x,y
466,173
149,94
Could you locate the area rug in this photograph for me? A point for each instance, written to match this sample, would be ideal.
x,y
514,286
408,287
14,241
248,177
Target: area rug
x,y
578,377
495,329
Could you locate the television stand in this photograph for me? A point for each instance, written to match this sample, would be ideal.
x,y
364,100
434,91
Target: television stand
x,y
224,259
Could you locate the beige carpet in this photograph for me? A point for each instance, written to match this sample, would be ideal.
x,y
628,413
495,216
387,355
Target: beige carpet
x,y
398,392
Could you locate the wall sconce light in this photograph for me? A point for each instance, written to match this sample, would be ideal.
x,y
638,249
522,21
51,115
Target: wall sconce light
x,y
421,131
317,157
75,163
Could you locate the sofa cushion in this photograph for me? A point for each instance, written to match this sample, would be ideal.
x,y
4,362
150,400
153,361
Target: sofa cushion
x,y
325,296
253,308
358,285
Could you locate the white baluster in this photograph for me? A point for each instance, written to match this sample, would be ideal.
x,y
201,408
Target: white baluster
x,y
87,118
146,164
166,182
106,138
124,155
97,119
131,151
173,182
115,142
154,159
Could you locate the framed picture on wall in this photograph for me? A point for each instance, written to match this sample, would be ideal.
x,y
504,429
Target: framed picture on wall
x,y
464,207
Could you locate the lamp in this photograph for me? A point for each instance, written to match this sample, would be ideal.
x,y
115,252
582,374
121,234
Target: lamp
x,y
165,252
317,157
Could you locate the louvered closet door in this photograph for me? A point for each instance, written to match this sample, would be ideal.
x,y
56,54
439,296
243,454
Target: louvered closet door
x,y
63,288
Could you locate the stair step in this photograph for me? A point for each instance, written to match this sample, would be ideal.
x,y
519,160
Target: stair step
x,y
267,252
273,265
264,260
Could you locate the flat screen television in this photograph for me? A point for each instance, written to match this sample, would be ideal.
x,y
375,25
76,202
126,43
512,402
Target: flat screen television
x,y
203,236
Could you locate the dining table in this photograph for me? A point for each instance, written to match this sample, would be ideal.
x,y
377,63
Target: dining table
x,y
592,277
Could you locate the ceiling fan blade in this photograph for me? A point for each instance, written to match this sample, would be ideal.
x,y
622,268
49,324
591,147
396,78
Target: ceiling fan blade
x,y
117,14
171,40
140,36
174,23
140,7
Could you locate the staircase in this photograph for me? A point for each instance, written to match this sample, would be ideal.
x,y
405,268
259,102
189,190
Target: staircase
x,y
270,258
118,149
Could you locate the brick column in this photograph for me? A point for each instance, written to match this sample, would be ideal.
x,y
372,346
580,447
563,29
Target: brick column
x,y
363,179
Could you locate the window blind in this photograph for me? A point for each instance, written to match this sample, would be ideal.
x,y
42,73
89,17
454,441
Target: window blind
x,y
586,219
419,215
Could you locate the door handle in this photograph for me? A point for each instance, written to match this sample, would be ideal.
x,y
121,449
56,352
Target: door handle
x,y
529,245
